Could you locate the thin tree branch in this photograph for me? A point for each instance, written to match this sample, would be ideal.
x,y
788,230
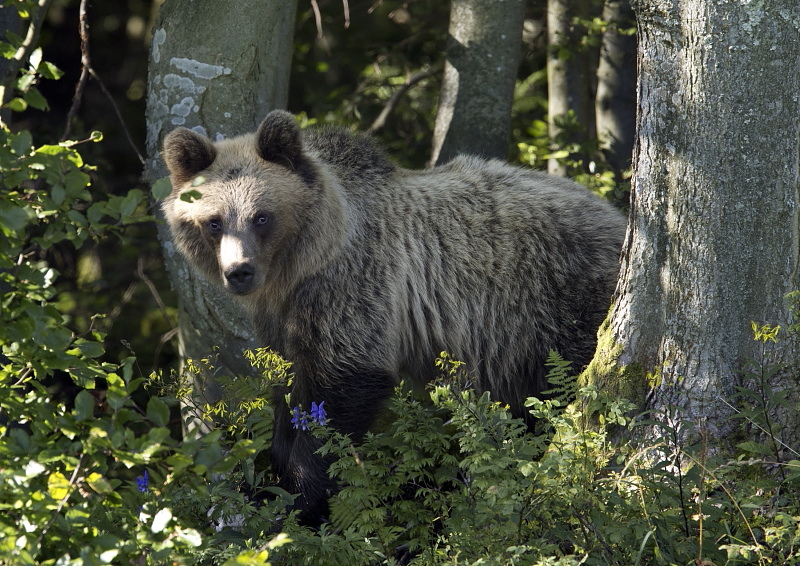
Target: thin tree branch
x,y
86,71
86,63
394,100
63,501
317,18
128,136
346,8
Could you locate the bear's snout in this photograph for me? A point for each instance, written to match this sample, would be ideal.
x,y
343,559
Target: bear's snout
x,y
239,278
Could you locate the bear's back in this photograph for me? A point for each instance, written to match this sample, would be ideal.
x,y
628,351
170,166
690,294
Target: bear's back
x,y
355,158
470,256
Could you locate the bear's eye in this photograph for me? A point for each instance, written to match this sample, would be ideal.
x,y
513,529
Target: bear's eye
x,y
263,224
215,226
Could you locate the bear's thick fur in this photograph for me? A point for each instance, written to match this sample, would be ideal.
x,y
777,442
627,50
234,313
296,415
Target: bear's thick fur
x,y
359,271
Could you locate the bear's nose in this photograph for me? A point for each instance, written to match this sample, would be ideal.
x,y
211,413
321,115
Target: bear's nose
x,y
240,277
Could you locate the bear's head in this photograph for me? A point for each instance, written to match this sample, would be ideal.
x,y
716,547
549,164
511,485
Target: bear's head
x,y
252,213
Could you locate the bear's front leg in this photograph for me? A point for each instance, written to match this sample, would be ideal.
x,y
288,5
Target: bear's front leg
x,y
352,401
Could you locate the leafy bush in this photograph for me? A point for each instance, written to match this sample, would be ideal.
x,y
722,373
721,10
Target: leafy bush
x,y
454,479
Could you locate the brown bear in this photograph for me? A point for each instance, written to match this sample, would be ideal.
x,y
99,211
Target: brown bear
x,y
361,272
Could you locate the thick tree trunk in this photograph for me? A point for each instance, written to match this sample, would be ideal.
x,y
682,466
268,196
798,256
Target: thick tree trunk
x,y
217,67
713,236
483,51
570,71
615,101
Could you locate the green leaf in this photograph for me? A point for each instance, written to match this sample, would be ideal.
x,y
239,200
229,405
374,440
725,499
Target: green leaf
x,y
179,462
755,447
191,196
89,348
49,71
96,212
57,486
34,98
13,39
84,377
25,82
77,218
7,50
56,338
108,556
84,406
58,194
76,182
158,411
248,468
130,202
22,143
13,218
161,188
100,484
117,393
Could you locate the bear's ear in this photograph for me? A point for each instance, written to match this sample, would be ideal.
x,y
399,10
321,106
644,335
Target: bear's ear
x,y
187,153
278,140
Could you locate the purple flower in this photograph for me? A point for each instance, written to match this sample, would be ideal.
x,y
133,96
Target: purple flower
x,y
318,414
141,482
299,419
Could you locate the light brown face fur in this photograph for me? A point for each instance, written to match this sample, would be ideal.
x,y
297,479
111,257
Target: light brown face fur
x,y
249,213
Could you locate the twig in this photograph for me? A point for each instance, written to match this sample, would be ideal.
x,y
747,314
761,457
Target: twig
x,y
118,113
394,100
153,290
86,63
753,423
86,71
63,500
170,334
317,18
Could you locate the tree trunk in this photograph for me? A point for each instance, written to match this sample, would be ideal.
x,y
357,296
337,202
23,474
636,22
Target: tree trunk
x,y
216,67
615,101
569,72
483,50
713,235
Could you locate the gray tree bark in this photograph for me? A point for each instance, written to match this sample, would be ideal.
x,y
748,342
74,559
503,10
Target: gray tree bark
x,y
483,50
713,237
615,100
569,71
217,67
